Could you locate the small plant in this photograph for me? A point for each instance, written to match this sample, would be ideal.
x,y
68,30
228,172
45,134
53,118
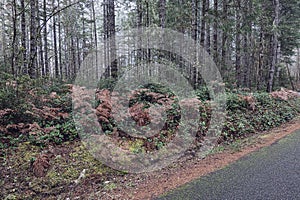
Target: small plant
x,y
110,186
159,144
137,146
236,146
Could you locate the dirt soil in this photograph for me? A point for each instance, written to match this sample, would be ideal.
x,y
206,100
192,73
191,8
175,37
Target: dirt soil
x,y
74,174
151,185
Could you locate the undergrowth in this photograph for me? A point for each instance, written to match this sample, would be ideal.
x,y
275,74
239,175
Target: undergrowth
x,y
245,113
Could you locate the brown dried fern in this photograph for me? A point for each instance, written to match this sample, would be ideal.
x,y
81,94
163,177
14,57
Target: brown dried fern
x,y
41,165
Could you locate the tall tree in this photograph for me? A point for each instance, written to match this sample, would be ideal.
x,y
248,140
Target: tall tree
x,y
14,36
111,31
238,67
33,39
162,13
274,45
215,37
45,37
55,46
40,62
208,38
23,35
224,37
203,24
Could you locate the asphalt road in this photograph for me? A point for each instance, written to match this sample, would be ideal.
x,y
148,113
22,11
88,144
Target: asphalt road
x,y
270,173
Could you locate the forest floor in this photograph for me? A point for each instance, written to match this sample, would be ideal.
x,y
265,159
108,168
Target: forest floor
x,y
189,168
42,157
67,164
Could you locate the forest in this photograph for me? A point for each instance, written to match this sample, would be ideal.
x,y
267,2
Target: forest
x,y
48,108
252,42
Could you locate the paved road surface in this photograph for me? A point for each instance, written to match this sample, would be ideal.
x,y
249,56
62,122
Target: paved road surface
x,y
270,173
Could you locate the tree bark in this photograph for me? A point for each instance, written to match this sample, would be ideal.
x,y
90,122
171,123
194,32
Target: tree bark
x,y
55,46
23,36
246,50
41,63
238,67
95,38
202,33
216,16
195,37
33,35
162,13
45,35
289,76
298,64
112,32
14,37
224,38
208,45
275,45
60,45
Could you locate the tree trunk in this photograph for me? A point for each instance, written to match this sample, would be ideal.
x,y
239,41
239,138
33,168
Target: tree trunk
x,y
246,49
139,20
298,64
60,46
162,13
238,67
111,33
33,34
224,39
23,36
105,38
252,50
289,76
14,37
208,28
73,53
259,81
95,38
202,33
195,37
216,16
275,46
45,34
55,46
41,63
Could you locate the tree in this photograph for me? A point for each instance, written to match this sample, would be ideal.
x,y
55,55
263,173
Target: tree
x,y
208,45
274,45
109,35
203,24
252,42
33,39
23,35
162,13
14,37
238,67
45,34
215,37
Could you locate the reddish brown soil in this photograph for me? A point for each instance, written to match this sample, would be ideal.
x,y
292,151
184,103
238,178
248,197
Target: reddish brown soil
x,y
148,186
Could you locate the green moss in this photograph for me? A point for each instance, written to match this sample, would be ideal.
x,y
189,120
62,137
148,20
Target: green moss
x,y
136,146
110,186
71,173
27,151
64,169
84,160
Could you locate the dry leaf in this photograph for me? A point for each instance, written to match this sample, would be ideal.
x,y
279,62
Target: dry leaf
x,y
41,165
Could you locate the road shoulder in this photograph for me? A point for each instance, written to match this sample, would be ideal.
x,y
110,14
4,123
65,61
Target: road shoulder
x,y
189,168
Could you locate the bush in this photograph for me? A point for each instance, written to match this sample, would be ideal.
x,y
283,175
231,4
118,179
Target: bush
x,y
268,113
22,97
